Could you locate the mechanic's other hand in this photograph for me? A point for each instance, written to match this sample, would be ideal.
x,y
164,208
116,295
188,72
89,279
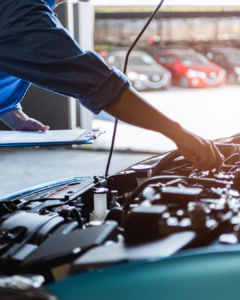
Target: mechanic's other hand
x,y
17,120
31,125
201,152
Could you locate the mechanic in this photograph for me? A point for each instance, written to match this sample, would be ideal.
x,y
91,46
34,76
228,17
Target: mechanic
x,y
35,48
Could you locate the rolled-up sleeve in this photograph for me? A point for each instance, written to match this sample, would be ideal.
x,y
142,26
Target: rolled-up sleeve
x,y
104,84
114,84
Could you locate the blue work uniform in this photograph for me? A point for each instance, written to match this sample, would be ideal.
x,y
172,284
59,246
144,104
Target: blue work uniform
x,y
35,48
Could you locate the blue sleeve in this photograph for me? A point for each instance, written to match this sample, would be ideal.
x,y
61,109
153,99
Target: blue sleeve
x,y
17,106
12,91
51,3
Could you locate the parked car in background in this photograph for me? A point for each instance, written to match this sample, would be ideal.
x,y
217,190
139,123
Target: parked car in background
x,y
190,68
229,59
143,71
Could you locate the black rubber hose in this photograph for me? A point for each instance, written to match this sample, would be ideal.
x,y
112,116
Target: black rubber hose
x,y
78,217
165,162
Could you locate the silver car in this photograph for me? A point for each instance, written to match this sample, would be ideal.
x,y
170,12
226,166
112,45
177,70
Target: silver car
x,y
143,71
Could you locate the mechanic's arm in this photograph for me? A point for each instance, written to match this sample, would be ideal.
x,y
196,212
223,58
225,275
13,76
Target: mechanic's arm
x,y
17,120
131,108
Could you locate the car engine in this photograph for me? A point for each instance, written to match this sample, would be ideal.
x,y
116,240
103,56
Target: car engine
x,y
152,210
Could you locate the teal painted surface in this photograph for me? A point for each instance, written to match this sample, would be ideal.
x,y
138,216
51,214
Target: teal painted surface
x,y
201,277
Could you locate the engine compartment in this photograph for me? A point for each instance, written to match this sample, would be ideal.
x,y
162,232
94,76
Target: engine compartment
x,y
153,210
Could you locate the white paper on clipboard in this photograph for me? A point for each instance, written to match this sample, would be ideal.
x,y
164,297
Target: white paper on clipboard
x,y
51,137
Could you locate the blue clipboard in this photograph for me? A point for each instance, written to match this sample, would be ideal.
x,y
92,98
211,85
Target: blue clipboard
x,y
49,138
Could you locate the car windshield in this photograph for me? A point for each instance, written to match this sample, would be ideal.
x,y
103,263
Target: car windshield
x,y
192,59
233,57
141,59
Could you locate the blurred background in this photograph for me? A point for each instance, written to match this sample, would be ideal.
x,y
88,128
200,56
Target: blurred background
x,y
187,64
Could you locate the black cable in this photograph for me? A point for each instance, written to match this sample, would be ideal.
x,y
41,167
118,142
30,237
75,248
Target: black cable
x,y
140,34
124,71
164,162
112,146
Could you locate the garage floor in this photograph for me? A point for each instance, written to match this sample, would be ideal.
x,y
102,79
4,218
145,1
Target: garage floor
x,y
22,168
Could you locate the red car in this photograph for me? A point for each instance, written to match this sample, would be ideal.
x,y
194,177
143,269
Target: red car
x,y
190,68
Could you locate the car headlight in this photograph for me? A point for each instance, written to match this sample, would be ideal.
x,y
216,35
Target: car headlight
x,y
167,75
133,76
202,75
143,77
237,70
193,74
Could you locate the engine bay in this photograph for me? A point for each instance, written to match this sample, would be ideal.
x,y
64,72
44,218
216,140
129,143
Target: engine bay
x,y
153,210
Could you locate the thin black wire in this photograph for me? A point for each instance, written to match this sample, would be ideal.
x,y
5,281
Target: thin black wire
x,y
124,71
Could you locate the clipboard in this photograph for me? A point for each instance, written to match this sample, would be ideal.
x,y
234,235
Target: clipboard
x,y
48,138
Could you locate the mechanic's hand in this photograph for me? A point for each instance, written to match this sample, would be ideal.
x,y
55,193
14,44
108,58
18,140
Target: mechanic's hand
x,y
202,153
31,125
17,120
